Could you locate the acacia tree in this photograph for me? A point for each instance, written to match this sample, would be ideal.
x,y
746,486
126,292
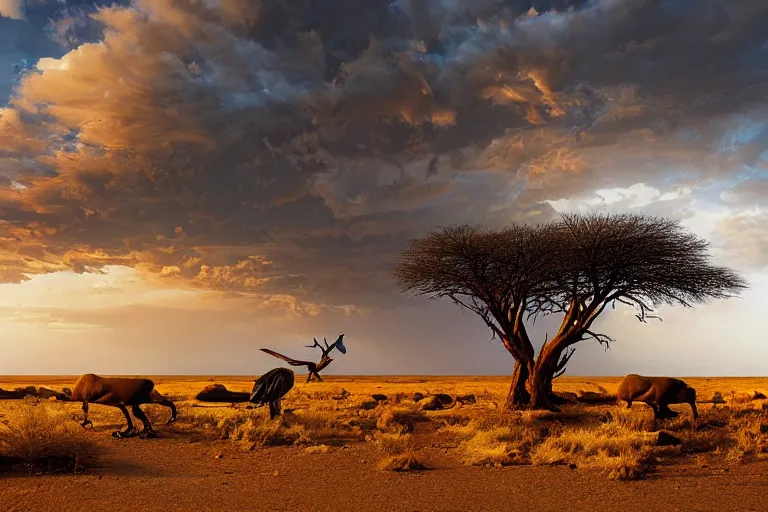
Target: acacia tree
x,y
576,267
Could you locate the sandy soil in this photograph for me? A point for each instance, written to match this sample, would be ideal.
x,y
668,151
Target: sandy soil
x,y
178,472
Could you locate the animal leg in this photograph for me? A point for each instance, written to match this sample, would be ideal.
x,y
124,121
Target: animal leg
x,y
147,431
130,430
629,404
86,421
275,408
317,375
666,412
172,407
654,407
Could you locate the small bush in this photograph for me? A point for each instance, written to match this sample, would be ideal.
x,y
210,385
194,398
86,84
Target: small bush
x,y
392,444
46,443
398,452
408,461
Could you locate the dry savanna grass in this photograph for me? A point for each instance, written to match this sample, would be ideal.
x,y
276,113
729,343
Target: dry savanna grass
x,y
388,414
41,440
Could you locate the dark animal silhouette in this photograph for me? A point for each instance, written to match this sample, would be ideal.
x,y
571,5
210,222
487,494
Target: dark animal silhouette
x,y
314,368
120,392
270,389
658,393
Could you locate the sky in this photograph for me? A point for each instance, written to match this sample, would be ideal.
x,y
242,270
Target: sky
x,y
185,182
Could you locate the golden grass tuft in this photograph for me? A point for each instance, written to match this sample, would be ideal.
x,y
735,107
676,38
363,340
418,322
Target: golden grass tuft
x,y
398,453
610,446
408,461
44,442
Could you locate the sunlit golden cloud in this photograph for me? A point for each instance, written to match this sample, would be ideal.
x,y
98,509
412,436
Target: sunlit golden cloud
x,y
283,155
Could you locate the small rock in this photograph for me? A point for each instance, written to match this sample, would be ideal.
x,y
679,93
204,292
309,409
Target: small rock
x,y
276,473
418,397
664,438
219,455
44,392
466,399
431,404
379,397
571,466
369,404
717,398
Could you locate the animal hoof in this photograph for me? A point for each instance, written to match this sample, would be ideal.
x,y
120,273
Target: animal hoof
x,y
123,434
86,423
148,435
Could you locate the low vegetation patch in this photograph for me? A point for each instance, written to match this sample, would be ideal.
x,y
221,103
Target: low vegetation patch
x,y
398,453
44,442
612,447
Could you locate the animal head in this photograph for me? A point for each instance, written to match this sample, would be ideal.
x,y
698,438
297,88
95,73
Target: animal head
x,y
340,344
687,395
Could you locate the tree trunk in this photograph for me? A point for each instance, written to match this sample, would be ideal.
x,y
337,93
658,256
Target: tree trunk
x,y
540,379
541,387
543,372
518,396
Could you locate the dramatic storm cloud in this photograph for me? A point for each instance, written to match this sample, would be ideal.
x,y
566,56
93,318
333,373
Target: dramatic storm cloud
x,y
284,151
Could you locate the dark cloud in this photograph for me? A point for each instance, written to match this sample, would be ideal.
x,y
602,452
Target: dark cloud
x,y
287,150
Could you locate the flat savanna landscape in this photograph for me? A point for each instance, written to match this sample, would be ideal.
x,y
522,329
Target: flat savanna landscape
x,y
337,447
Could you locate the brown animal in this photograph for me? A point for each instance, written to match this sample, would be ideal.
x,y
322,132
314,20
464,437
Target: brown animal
x,y
658,393
119,392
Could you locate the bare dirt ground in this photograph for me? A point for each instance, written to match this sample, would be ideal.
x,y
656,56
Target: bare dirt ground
x,y
190,468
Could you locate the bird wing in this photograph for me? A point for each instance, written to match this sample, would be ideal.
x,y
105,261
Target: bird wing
x,y
292,362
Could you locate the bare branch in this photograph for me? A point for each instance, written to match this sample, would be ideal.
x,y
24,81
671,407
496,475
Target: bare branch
x,y
603,339
560,366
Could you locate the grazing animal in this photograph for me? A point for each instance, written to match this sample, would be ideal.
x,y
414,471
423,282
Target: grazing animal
x,y
312,367
270,389
658,393
120,392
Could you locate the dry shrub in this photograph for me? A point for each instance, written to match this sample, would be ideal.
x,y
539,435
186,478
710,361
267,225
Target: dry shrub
x,y
46,443
408,461
319,424
400,420
398,452
501,446
610,446
634,420
256,430
749,436
392,444
627,466
500,439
